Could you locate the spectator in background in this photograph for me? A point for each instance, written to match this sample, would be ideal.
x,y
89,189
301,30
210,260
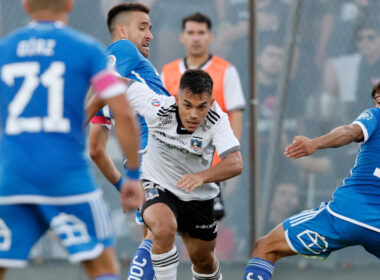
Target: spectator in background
x,y
196,38
345,74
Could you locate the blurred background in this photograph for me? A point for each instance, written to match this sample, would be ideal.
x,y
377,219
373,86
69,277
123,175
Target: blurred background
x,y
305,67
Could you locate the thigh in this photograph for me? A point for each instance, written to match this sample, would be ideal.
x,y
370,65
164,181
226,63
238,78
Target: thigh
x,y
197,219
316,233
15,221
160,206
84,228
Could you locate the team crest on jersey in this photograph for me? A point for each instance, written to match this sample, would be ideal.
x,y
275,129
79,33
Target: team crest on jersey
x,y
196,144
151,194
155,102
367,115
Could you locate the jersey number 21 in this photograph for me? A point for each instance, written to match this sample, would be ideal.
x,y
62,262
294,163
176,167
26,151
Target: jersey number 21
x,y
52,79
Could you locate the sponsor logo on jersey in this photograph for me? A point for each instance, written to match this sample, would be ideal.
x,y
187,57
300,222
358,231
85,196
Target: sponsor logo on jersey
x,y
313,241
196,144
151,194
367,115
155,102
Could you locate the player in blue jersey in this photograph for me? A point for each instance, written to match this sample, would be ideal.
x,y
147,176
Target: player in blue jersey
x,y
335,224
44,176
129,25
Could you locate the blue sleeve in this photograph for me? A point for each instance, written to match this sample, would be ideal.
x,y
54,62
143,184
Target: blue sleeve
x,y
98,59
368,121
126,55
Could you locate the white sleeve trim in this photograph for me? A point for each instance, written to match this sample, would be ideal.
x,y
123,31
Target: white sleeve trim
x,y
364,129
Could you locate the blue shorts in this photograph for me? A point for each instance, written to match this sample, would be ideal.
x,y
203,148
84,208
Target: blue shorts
x,y
316,233
81,222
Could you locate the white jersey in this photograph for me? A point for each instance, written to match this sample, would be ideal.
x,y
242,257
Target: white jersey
x,y
172,151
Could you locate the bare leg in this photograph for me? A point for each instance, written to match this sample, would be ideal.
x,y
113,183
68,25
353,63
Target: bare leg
x,y
201,254
2,273
106,263
273,246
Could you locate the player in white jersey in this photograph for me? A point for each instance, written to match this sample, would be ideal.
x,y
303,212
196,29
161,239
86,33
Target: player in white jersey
x,y
184,132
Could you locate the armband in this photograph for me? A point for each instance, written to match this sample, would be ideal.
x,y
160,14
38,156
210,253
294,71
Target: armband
x,y
133,174
119,183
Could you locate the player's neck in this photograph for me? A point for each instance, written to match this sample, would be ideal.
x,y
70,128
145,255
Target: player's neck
x,y
197,61
49,16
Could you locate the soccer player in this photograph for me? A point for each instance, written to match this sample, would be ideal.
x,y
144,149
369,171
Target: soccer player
x,y
335,224
44,177
184,132
196,37
129,25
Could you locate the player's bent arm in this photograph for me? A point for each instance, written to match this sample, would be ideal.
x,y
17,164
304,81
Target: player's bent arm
x,y
98,152
92,107
228,167
339,136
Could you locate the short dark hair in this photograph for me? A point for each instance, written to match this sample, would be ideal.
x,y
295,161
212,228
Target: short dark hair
x,y
197,17
375,89
196,81
124,8
369,23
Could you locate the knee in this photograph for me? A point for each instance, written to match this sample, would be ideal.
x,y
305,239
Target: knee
x,y
266,250
164,231
95,151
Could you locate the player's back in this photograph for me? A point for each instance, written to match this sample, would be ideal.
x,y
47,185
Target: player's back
x,y
45,70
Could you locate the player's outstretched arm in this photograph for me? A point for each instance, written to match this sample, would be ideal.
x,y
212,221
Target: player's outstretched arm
x,y
132,194
340,136
228,167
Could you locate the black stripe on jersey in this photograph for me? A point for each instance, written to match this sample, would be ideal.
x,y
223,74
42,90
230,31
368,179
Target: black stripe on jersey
x,y
169,109
212,117
165,114
214,114
210,120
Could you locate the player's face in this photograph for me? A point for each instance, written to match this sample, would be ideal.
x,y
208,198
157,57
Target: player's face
x,y
196,38
271,60
368,43
376,99
138,31
193,108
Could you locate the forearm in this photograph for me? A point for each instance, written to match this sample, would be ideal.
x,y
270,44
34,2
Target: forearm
x,y
92,107
338,137
236,120
107,167
229,167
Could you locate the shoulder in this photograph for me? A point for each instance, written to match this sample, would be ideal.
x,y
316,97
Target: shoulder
x,y
171,65
216,60
215,114
123,46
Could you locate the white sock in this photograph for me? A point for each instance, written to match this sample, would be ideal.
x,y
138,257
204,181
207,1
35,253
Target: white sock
x,y
216,275
165,265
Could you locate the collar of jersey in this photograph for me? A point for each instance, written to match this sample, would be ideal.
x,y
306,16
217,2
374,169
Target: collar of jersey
x,y
180,128
46,22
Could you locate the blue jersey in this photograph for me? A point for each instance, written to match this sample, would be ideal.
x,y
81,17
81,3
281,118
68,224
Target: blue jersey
x,y
130,63
358,200
45,72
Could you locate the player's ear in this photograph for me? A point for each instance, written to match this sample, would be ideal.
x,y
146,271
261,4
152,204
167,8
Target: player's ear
x,y
211,37
212,101
25,4
181,39
69,5
176,98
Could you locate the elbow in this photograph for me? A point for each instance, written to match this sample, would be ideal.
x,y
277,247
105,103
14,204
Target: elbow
x,y
237,166
95,152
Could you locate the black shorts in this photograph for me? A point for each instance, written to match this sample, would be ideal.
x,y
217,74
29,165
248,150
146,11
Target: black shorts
x,y
195,217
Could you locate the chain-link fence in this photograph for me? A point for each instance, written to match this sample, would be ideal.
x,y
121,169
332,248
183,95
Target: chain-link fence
x,y
334,63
